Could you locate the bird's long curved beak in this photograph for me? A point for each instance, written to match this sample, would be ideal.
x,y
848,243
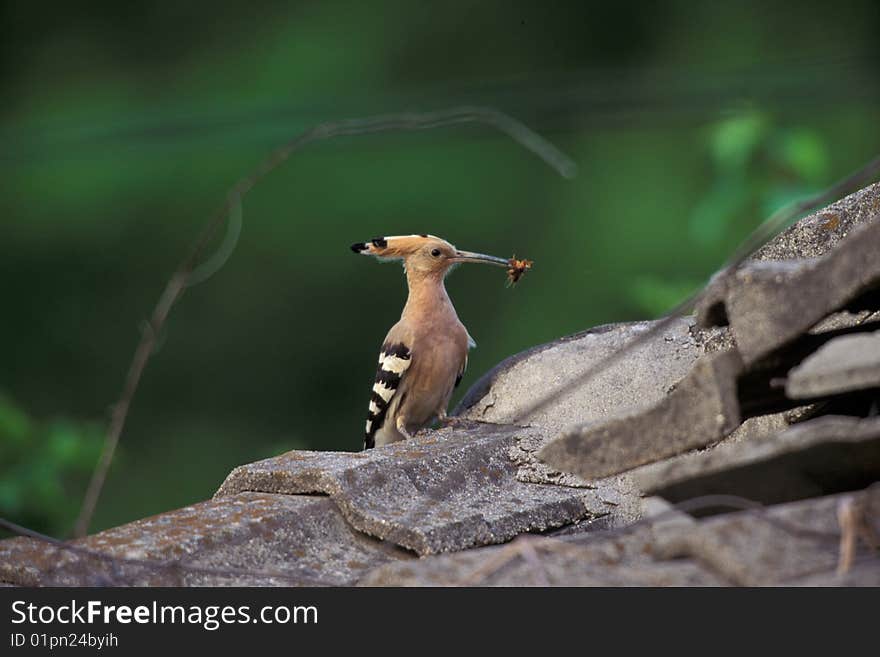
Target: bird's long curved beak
x,y
467,256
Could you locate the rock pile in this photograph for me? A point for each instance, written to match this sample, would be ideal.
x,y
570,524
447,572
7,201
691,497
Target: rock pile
x,y
740,446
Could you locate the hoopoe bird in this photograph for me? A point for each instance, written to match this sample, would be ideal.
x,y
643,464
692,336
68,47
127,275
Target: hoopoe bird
x,y
424,355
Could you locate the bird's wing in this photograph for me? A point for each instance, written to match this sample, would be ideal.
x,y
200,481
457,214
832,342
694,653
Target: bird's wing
x,y
461,371
470,345
394,359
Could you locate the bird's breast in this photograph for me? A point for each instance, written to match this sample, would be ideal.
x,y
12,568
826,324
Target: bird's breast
x,y
438,359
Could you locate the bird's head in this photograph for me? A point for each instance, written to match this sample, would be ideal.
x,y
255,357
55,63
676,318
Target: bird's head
x,y
423,254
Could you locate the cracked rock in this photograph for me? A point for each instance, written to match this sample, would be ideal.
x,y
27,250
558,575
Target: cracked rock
x,y
505,394
784,545
816,457
448,490
249,539
640,378
769,304
844,364
701,410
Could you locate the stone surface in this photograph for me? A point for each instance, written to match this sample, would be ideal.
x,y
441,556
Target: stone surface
x,y
774,546
639,378
865,573
826,454
769,304
784,545
701,410
816,234
448,490
505,394
249,539
646,477
762,426
625,560
846,363
530,469
761,386
561,564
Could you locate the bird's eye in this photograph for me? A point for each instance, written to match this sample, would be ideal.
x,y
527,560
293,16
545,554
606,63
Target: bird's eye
x,y
435,253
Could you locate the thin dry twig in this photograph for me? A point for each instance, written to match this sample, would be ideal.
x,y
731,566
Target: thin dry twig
x,y
187,274
847,518
854,516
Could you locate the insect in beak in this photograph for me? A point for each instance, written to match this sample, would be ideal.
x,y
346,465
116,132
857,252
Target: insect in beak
x,y
515,268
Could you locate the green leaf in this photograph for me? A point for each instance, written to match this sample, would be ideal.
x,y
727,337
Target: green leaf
x,y
40,462
734,141
804,153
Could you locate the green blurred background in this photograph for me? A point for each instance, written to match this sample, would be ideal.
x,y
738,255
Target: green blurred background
x,y
123,126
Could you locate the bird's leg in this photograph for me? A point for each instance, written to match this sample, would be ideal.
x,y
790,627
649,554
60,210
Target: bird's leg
x,y
447,420
400,423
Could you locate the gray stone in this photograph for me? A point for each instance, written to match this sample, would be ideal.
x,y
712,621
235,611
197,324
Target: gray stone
x,y
538,561
783,545
567,565
761,426
618,492
770,304
701,410
865,573
506,393
845,320
846,363
524,453
646,477
448,490
826,454
779,545
249,539
815,235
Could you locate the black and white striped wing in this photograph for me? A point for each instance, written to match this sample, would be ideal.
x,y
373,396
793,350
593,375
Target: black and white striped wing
x,y
394,360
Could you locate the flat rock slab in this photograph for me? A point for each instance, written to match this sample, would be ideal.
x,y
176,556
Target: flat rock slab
x,y
827,454
249,539
770,304
448,490
701,410
625,560
844,364
783,545
560,564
